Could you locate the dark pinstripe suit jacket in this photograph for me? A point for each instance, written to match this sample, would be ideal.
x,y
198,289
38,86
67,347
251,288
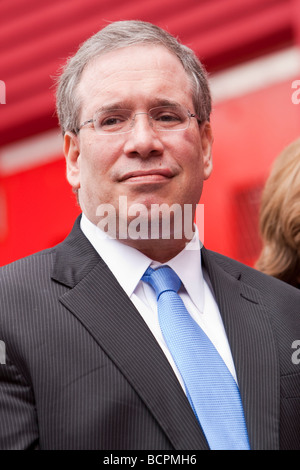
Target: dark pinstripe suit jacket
x,y
83,371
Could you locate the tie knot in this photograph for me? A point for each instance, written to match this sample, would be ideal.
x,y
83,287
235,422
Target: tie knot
x,y
162,279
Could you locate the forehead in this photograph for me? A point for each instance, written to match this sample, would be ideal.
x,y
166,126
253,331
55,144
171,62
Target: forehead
x,y
134,73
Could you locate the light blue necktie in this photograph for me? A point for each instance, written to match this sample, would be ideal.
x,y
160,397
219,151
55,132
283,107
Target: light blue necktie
x,y
212,391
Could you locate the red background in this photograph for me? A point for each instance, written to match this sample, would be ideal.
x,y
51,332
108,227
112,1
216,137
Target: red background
x,y
37,207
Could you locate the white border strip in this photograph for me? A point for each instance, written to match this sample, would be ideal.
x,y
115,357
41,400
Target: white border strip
x,y
34,151
255,75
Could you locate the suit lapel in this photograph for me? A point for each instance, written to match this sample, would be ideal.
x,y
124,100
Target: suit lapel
x,y
253,349
104,309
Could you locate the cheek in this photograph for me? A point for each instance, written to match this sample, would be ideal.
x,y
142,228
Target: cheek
x,y
96,172
192,160
94,164
192,164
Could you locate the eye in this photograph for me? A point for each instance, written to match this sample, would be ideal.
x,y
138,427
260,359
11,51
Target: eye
x,y
169,118
112,120
109,121
167,115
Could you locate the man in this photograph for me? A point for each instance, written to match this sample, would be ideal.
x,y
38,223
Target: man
x,y
89,364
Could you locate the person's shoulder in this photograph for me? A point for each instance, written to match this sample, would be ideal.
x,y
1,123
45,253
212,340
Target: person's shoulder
x,y
40,260
251,276
28,266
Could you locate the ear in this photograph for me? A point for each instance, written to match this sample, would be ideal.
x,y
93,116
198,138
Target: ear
x,y
207,142
72,155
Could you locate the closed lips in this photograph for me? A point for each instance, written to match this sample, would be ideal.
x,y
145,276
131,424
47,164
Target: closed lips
x,y
140,173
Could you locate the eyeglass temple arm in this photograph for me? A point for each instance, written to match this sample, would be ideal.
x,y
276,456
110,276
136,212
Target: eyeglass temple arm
x,y
196,116
83,124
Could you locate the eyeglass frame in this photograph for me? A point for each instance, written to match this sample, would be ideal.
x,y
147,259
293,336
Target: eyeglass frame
x,y
189,114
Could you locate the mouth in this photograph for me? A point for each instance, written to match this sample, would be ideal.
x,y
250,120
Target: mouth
x,y
145,176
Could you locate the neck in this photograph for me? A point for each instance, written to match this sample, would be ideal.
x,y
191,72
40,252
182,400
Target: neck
x,y
158,250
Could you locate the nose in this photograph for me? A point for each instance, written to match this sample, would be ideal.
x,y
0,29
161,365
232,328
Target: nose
x,y
143,141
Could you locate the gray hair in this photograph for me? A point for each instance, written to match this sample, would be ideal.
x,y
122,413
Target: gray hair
x,y
115,36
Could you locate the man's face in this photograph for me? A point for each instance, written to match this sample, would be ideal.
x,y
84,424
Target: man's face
x,y
147,167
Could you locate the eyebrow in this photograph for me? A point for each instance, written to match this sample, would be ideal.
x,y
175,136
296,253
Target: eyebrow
x,y
124,105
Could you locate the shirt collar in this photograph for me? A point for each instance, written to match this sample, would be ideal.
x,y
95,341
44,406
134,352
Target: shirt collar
x,y
128,264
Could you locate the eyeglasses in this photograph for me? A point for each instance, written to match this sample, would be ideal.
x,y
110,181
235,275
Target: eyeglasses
x,y
120,121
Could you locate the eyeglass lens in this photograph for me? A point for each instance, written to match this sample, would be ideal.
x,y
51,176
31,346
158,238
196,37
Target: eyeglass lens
x,y
162,118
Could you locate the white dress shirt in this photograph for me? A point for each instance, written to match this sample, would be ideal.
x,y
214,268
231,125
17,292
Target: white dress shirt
x,y
128,266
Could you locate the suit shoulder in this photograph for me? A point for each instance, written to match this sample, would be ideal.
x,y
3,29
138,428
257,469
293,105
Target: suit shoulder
x,y
252,276
28,266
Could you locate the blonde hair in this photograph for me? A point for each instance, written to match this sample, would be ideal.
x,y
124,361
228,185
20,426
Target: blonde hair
x,y
280,218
